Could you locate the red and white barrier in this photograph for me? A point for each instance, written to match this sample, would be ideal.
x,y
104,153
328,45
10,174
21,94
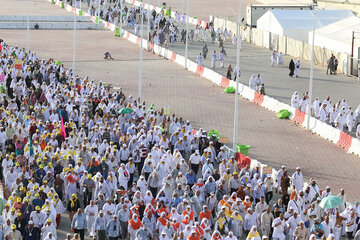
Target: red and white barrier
x,y
343,140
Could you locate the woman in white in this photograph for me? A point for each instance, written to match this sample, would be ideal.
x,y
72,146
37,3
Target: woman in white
x,y
48,228
280,60
295,100
297,68
350,121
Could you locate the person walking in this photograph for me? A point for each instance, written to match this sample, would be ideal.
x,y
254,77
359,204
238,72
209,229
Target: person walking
x,y
297,68
229,71
330,65
200,59
113,228
205,51
79,223
213,59
291,68
100,226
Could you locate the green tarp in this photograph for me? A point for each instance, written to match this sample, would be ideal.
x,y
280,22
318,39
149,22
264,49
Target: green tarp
x,y
283,114
229,90
117,32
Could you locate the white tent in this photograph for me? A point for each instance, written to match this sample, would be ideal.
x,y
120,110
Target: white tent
x,y
297,24
338,36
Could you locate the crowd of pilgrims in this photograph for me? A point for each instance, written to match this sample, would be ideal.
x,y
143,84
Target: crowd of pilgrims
x,y
164,30
338,114
67,146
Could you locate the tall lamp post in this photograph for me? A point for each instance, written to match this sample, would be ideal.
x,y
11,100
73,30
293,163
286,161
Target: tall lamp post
x,y
187,34
74,43
311,73
141,51
148,25
238,47
28,27
121,17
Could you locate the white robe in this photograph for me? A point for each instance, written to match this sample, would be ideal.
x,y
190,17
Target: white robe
x,y
298,181
109,208
322,115
213,60
91,213
295,101
280,59
200,60
297,68
252,83
350,121
293,223
316,108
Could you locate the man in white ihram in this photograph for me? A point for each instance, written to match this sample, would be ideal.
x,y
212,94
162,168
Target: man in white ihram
x,y
252,83
279,228
298,180
322,113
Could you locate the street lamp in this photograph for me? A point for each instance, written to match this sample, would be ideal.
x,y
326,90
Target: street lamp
x,y
28,27
121,17
311,73
236,110
74,43
187,33
148,25
141,51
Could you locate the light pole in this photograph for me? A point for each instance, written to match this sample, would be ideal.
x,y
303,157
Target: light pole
x,y
311,73
148,25
28,27
141,51
187,33
121,17
99,11
236,110
74,43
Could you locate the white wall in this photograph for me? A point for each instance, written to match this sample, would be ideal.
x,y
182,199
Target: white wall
x,y
269,23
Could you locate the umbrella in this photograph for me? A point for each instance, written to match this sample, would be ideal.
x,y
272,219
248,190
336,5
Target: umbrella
x,y
126,110
330,202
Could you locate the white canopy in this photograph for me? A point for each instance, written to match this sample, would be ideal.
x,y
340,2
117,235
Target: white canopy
x,y
338,36
297,24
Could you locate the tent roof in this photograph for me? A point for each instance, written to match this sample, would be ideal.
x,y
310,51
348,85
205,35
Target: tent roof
x,y
341,30
303,19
